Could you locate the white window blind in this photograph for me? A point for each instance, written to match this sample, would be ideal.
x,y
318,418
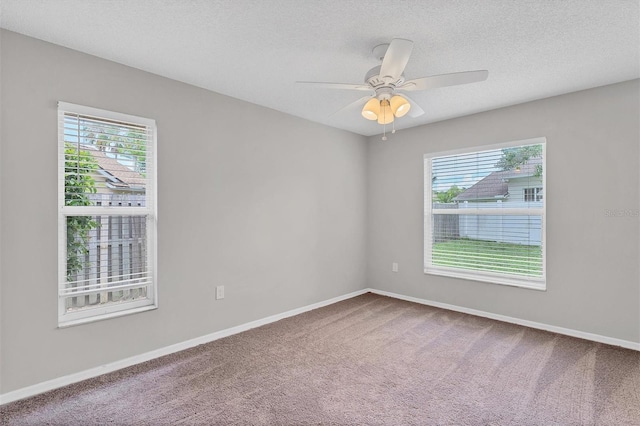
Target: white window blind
x,y
107,214
485,214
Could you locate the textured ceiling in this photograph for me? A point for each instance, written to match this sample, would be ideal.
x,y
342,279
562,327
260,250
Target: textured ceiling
x,y
256,50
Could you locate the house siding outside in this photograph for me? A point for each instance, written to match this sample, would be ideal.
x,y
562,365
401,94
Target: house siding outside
x,y
517,187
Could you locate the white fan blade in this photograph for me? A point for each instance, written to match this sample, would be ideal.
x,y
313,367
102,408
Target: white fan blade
x,y
396,58
345,86
359,103
415,110
444,80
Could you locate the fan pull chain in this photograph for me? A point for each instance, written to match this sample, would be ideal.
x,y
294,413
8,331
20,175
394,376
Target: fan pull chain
x,y
384,125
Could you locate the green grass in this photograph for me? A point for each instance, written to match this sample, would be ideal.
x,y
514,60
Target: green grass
x,y
489,256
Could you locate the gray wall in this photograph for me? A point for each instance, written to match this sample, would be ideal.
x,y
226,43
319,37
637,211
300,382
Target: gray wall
x,y
592,166
269,205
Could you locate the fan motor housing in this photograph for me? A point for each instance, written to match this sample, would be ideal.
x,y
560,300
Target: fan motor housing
x,y
373,79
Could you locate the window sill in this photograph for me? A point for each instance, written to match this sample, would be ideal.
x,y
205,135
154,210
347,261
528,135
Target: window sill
x,y
531,284
100,317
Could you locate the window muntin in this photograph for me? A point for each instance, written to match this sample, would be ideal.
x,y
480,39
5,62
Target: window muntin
x,y
107,214
484,214
533,194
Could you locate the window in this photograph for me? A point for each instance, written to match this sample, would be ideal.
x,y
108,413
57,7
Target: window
x,y
485,214
533,194
107,214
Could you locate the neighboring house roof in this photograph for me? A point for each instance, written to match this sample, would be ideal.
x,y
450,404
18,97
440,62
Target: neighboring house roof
x,y
495,186
491,187
118,176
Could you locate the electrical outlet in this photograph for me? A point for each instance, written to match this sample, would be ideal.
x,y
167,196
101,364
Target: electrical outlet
x,y
394,267
219,292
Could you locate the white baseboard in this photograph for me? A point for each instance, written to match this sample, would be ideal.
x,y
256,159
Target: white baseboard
x,y
147,356
532,324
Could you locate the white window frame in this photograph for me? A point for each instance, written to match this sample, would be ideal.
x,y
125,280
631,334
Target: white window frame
x,y
483,276
66,319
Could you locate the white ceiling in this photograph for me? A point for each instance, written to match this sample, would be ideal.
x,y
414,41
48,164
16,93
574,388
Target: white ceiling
x,y
256,50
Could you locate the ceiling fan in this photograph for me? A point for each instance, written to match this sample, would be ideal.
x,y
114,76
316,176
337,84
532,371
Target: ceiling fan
x,y
388,84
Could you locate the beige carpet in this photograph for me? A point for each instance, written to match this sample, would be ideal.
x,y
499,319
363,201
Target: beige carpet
x,y
370,360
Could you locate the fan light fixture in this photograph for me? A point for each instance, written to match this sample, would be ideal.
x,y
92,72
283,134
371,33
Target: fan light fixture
x,y
385,110
400,106
371,109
